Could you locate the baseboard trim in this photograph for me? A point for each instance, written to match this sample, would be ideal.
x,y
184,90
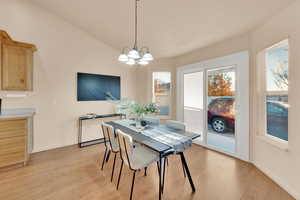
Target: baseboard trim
x,y
278,180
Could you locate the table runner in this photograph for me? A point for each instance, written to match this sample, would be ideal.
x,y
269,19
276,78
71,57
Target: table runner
x,y
161,134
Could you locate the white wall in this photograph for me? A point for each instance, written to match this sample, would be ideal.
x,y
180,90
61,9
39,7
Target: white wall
x,y
63,50
283,166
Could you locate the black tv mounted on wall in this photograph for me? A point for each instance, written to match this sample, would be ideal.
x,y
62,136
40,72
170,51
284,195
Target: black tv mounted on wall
x,y
97,87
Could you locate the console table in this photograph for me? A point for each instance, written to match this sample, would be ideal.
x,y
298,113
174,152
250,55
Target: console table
x,y
97,141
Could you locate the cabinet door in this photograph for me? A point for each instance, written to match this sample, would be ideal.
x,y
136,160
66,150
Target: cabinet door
x,y
13,141
12,151
16,68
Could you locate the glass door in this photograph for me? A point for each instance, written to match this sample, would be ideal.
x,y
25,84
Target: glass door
x,y
194,111
213,101
220,102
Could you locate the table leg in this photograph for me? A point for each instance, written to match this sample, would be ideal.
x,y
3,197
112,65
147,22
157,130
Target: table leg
x,y
187,171
79,132
160,177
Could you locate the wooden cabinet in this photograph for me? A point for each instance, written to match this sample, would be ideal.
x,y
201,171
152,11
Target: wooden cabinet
x,y
13,141
16,60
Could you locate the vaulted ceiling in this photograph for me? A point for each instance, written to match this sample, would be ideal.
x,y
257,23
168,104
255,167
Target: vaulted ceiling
x,y
168,27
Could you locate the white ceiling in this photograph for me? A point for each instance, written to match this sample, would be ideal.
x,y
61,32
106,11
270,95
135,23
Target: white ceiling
x,y
168,27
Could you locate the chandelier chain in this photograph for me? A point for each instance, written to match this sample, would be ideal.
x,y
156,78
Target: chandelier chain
x,y
136,56
136,24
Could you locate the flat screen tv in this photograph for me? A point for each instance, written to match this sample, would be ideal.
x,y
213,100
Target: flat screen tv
x,y
96,87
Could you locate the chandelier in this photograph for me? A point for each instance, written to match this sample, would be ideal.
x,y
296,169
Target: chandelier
x,y
135,56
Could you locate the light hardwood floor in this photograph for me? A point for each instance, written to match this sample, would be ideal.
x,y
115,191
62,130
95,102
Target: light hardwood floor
x,y
71,173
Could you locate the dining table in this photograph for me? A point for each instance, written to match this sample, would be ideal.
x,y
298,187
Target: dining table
x,y
162,139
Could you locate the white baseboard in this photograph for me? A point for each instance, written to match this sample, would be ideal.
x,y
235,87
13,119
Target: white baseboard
x,y
278,180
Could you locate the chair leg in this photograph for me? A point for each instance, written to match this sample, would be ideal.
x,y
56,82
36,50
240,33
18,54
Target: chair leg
x,y
104,158
113,169
145,174
120,173
132,186
107,156
183,168
158,169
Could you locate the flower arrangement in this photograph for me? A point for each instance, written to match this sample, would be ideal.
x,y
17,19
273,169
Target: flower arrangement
x,y
130,107
140,110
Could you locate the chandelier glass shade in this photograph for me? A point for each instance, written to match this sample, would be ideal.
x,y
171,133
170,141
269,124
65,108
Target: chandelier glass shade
x,y
136,56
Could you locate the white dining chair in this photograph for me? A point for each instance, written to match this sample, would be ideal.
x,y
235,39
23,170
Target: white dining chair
x,y
111,145
179,126
152,120
136,157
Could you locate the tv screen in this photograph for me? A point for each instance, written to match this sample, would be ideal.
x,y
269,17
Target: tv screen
x,y
96,87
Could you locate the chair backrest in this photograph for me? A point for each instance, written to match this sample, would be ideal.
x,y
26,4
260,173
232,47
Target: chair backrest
x,y
175,125
126,147
152,120
109,136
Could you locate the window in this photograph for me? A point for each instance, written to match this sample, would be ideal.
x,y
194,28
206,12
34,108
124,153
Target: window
x,y
276,90
162,92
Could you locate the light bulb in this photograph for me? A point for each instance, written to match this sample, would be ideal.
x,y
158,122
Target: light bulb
x,y
133,53
130,61
123,58
147,57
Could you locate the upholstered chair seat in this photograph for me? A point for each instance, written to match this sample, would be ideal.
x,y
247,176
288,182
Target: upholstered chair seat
x,y
152,120
141,157
175,125
135,156
113,145
180,126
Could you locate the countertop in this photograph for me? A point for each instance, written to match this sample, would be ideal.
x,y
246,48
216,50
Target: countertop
x,y
16,113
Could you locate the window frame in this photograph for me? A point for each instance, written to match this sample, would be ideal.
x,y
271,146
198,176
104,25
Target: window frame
x,y
261,69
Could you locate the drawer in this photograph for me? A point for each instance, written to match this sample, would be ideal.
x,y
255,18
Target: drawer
x,y
13,128
12,145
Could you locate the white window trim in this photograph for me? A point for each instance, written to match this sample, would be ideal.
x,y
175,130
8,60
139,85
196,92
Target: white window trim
x,y
274,141
261,104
